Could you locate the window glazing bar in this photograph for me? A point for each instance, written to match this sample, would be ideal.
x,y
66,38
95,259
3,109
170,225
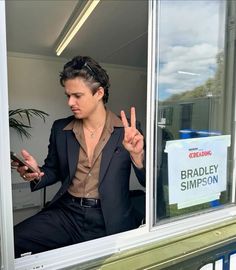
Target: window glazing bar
x,y
231,81
150,112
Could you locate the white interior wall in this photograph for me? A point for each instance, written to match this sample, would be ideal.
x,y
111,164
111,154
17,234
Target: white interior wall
x,y
34,83
128,88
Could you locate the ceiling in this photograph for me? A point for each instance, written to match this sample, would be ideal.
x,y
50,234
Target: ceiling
x,y
116,31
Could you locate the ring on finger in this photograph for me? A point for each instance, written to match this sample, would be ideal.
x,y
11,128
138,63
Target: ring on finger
x,y
24,176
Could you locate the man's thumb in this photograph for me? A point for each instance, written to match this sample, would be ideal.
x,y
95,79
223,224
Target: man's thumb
x,y
25,154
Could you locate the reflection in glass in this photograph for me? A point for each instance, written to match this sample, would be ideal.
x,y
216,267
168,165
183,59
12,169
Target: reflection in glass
x,y
190,95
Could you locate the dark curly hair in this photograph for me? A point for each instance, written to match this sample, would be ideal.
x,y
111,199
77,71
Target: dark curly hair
x,y
88,69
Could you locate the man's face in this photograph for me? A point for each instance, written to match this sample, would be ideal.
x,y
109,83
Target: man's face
x,y
82,102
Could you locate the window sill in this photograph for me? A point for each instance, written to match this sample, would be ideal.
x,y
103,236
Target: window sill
x,y
181,239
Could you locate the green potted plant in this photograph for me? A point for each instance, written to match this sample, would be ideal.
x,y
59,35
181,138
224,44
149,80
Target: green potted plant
x,y
20,120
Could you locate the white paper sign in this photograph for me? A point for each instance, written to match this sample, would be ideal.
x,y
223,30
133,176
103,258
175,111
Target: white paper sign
x,y
197,169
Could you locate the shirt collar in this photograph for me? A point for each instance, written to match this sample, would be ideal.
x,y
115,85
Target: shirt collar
x,y
112,121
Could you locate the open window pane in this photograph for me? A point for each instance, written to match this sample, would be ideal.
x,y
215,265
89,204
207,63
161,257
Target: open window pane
x,y
193,109
33,70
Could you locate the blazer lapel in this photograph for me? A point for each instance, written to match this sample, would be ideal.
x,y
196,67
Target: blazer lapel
x,y
108,151
72,152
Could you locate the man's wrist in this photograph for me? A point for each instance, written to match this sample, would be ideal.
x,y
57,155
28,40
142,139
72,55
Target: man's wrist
x,y
138,159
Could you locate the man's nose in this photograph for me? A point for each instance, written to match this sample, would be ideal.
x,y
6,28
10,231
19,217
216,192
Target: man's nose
x,y
70,101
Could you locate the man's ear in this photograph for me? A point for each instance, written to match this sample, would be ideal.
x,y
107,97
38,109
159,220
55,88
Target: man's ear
x,y
100,92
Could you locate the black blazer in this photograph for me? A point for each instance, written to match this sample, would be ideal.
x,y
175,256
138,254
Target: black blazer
x,y
61,162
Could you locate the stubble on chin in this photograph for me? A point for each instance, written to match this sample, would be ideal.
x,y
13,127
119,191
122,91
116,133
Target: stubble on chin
x,y
79,117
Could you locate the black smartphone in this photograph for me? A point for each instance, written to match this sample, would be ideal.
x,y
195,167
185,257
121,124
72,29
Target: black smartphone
x,y
22,162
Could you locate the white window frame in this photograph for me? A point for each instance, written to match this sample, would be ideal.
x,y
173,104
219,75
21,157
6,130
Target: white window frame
x,y
6,224
79,253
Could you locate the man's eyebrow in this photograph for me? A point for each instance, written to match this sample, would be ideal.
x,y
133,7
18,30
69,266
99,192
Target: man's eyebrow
x,y
75,93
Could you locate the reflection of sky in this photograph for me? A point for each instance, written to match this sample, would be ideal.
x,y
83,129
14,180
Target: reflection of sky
x,y
191,34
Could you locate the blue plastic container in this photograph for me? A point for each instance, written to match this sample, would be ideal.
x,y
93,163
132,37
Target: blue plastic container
x,y
215,203
187,133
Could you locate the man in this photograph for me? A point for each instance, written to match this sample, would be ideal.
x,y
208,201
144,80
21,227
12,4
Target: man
x,y
91,154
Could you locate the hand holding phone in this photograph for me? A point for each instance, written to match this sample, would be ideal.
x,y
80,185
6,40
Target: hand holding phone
x,y
22,162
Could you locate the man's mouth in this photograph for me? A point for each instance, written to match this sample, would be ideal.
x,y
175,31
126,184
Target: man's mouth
x,y
75,110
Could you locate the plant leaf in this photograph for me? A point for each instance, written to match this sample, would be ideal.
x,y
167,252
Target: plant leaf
x,y
20,126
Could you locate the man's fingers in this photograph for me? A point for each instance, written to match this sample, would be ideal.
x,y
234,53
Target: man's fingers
x,y
133,117
124,119
21,170
129,136
26,155
137,138
14,165
31,176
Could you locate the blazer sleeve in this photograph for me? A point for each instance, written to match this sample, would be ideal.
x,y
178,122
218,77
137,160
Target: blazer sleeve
x,y
50,167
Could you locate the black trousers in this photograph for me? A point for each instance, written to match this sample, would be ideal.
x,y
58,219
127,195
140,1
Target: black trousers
x,y
64,223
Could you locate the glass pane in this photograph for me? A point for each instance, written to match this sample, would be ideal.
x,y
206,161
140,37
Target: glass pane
x,y
192,139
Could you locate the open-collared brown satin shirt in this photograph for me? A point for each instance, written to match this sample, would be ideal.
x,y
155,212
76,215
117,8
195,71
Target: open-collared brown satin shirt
x,y
86,180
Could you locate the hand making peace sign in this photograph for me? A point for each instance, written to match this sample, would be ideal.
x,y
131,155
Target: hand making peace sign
x,y
133,140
